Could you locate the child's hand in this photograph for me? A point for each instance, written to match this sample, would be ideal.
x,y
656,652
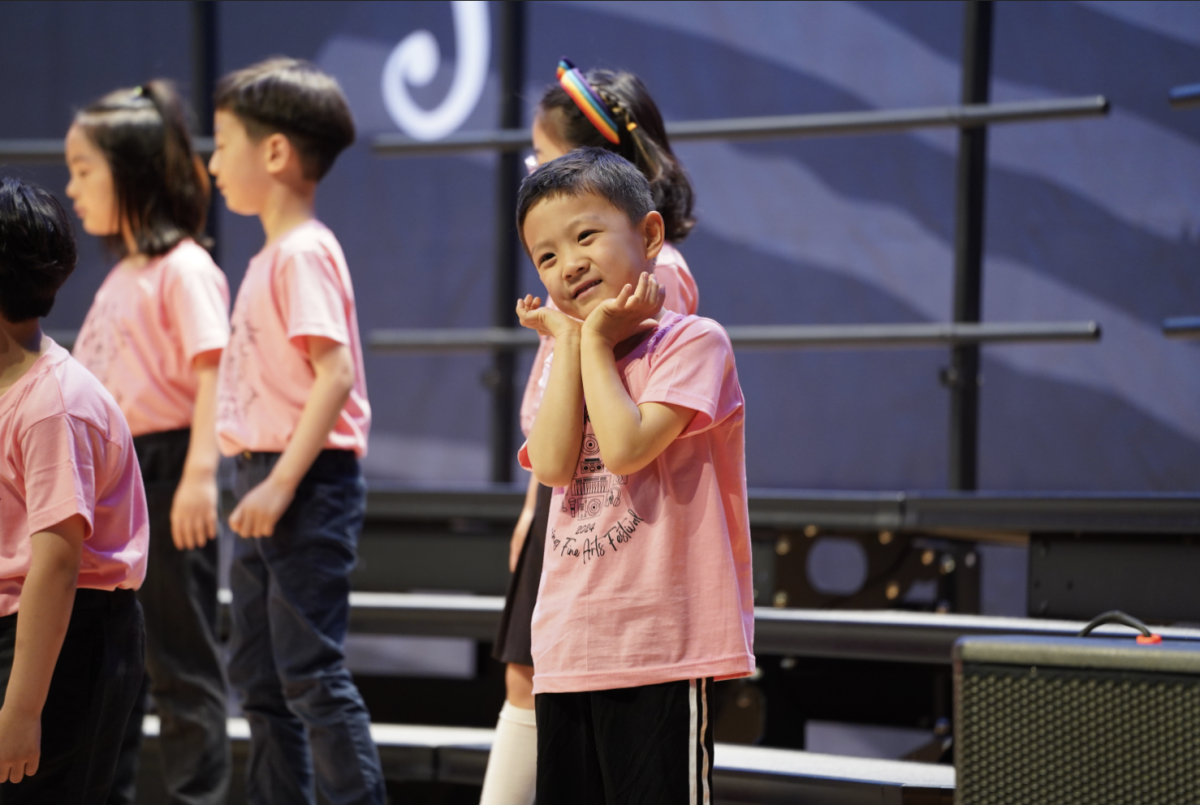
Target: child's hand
x,y
633,311
545,320
261,509
194,512
20,744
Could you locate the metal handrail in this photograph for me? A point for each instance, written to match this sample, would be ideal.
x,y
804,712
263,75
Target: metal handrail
x,y
802,336
48,150
873,121
820,336
1184,97
451,340
1182,327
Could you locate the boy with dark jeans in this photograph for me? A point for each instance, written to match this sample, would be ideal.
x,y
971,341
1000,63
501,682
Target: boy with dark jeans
x,y
73,534
292,407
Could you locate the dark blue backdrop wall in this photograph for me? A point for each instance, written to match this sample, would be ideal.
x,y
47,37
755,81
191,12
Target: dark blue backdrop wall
x,y
1092,219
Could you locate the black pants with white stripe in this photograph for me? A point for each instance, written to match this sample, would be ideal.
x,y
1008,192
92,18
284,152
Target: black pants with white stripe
x,y
650,744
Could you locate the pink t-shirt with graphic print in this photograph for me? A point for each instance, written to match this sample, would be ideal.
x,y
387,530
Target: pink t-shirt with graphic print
x,y
683,296
146,327
297,287
647,577
65,450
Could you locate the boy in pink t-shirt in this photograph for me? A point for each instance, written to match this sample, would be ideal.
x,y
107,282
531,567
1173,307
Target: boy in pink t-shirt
x,y
292,407
73,534
646,593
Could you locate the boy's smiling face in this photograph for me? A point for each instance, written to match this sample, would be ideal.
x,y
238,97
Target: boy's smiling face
x,y
586,249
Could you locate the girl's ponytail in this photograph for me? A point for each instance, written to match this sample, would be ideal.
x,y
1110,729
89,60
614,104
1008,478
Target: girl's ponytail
x,y
182,167
642,140
161,187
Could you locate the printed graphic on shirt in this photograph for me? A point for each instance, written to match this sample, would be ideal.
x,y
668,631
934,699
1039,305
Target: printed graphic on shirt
x,y
236,396
591,493
98,351
588,545
594,486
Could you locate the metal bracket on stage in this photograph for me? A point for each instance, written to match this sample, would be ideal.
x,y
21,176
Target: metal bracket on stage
x,y
899,569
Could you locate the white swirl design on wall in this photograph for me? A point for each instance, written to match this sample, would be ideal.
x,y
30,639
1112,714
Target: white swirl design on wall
x,y
415,61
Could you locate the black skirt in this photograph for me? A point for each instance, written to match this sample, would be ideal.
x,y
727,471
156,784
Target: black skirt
x,y
512,638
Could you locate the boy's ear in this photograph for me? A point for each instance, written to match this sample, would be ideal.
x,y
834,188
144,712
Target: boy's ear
x,y
277,149
654,233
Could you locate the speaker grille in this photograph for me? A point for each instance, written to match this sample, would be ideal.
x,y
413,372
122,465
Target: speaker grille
x,y
1065,736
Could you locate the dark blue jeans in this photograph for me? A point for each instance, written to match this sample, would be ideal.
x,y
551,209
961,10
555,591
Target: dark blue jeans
x,y
291,609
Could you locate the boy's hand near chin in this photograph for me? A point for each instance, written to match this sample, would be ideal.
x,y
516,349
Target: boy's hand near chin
x,y
635,310
545,320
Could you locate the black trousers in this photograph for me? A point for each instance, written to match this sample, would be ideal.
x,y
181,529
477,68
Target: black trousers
x,y
184,671
649,745
91,693
513,635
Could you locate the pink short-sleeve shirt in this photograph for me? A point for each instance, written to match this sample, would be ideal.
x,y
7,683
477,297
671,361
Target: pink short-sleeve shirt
x,y
671,271
65,450
146,327
647,577
297,287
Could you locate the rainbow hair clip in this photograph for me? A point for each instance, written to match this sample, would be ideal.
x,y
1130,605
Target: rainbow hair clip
x,y
588,100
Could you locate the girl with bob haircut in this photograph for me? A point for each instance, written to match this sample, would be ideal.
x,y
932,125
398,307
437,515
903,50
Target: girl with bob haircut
x,y
154,337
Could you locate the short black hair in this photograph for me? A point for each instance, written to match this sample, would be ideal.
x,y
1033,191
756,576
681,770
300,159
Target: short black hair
x,y
159,181
37,250
587,170
295,98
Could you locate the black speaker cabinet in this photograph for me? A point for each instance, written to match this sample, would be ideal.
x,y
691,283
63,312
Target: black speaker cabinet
x,y
1076,720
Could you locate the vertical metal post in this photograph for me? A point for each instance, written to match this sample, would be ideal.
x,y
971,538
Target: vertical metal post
x,y
963,375
512,67
204,81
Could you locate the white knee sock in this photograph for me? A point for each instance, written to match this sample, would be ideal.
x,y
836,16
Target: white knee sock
x,y
512,765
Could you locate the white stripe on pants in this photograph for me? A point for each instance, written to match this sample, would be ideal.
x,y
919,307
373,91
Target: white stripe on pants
x,y
698,728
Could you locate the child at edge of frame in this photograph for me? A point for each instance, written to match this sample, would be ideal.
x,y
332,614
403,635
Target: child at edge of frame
x,y
292,408
74,533
646,596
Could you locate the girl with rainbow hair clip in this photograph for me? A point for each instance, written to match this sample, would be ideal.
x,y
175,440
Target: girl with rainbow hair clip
x,y
589,102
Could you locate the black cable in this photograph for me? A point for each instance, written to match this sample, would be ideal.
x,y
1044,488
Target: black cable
x,y
1115,616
